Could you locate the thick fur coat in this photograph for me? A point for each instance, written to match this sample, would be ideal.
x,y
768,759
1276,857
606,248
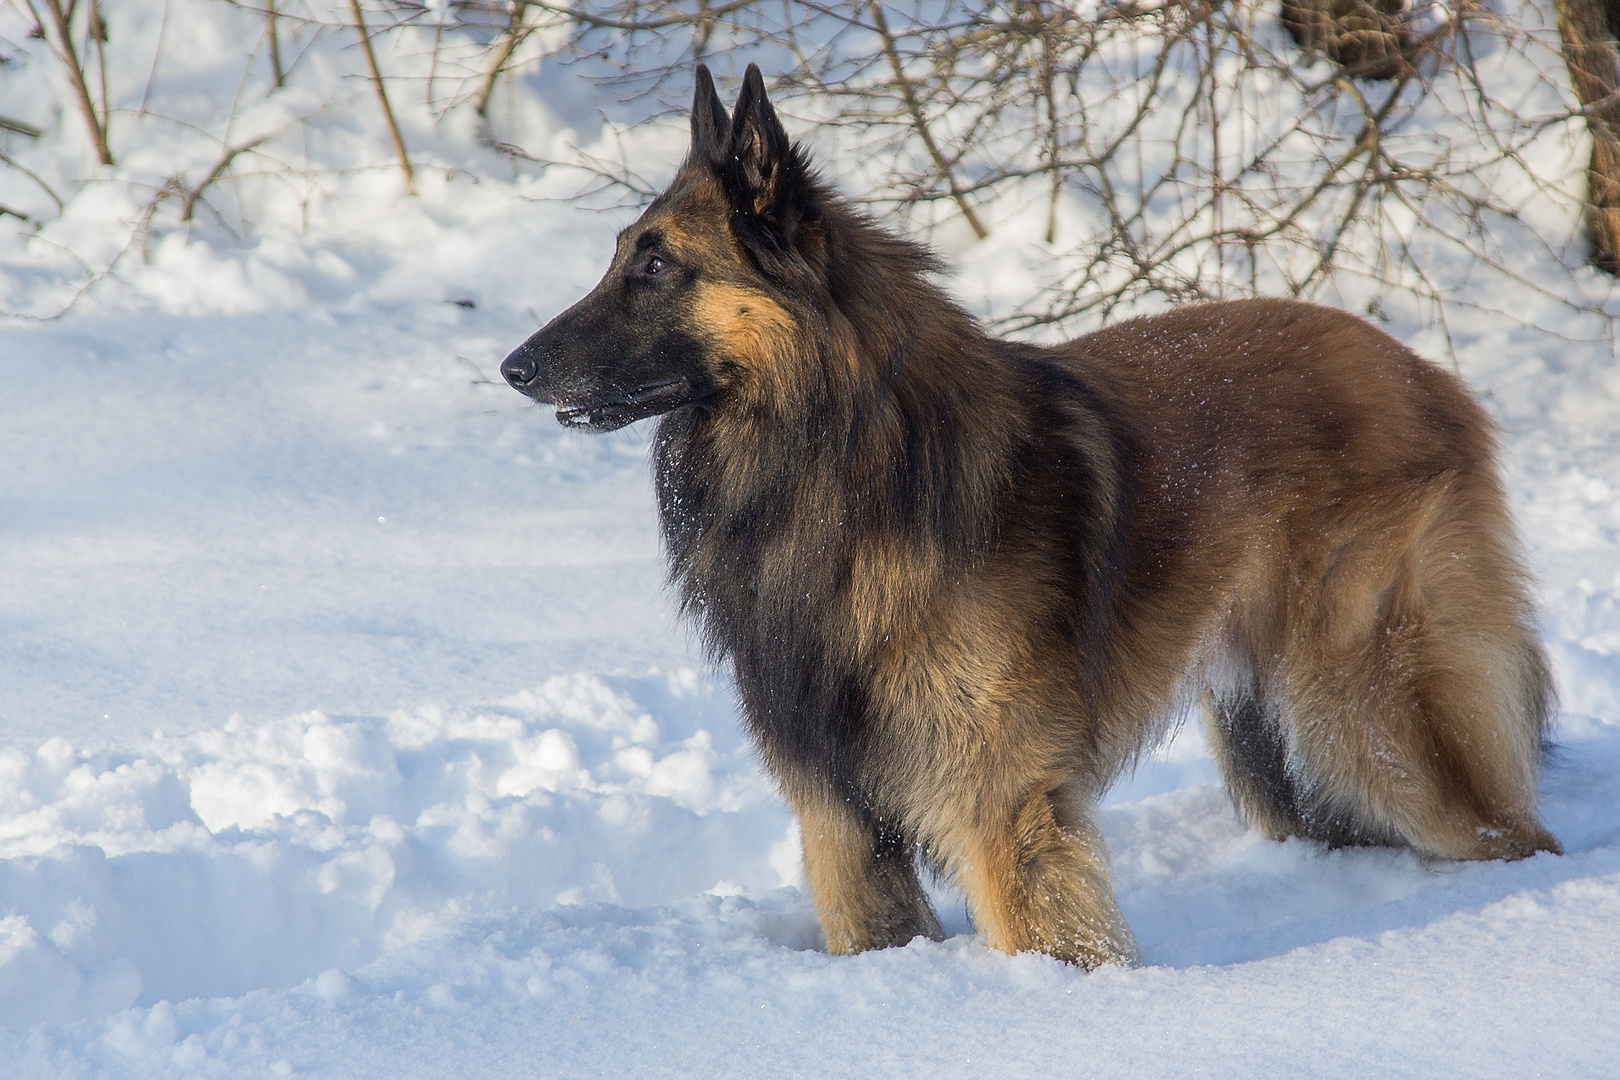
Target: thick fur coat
x,y
963,582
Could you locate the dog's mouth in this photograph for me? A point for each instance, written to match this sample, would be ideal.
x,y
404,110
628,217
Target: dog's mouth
x,y
612,413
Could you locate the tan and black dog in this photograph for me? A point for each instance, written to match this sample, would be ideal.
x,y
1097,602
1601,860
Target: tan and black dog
x,y
963,583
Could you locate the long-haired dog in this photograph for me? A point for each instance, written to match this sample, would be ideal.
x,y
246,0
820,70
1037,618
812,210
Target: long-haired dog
x,y
964,582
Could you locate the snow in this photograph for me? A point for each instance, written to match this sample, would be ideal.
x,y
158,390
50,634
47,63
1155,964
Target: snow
x,y
346,728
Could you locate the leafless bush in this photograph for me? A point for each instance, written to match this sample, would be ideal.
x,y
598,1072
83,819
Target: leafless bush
x,y
1376,152
1190,149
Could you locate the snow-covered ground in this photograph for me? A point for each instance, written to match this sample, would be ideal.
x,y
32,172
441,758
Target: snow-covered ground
x,y
346,730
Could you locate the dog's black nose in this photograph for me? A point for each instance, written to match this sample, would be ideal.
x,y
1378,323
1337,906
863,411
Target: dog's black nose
x,y
519,368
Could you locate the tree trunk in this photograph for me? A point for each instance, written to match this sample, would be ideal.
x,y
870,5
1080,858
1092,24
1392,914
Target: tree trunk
x,y
1594,72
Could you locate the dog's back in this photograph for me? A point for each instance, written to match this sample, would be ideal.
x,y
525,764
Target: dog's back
x,y
1318,534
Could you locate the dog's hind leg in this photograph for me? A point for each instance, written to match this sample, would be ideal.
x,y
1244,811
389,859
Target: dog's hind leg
x,y
863,879
1036,878
1249,744
1424,727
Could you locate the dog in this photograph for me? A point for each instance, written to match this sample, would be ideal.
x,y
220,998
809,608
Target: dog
x,y
964,583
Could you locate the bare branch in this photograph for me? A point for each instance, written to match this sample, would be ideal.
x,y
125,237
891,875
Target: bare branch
x,y
73,62
11,162
908,94
273,32
510,39
20,128
382,96
189,196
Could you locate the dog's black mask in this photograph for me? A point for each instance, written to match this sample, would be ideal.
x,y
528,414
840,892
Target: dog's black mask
x,y
635,346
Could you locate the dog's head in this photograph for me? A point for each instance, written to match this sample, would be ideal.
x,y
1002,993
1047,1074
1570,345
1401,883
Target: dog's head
x,y
697,298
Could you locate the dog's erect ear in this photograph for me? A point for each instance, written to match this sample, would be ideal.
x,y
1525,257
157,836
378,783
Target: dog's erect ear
x,y
710,125
764,174
759,145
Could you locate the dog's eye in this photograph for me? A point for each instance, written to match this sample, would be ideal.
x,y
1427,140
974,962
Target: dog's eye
x,y
654,265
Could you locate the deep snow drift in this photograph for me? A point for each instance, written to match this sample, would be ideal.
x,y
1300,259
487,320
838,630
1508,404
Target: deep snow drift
x,y
345,729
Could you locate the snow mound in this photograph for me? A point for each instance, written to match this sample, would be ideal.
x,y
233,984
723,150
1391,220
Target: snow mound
x,y
578,879
254,856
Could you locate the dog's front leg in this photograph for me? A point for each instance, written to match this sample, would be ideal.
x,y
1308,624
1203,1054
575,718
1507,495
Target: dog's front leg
x,y
1036,878
864,882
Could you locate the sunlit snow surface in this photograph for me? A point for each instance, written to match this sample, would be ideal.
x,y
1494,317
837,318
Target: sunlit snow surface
x,y
346,729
